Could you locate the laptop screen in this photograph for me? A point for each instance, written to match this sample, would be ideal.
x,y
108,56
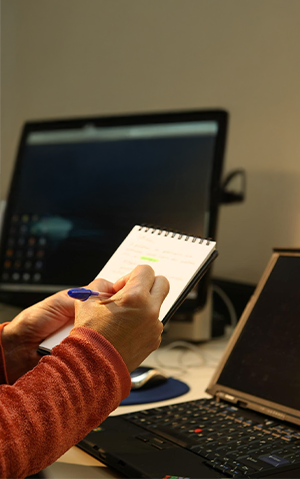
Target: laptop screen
x,y
80,186
265,361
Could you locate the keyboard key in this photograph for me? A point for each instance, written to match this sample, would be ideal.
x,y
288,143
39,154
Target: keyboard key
x,y
254,462
275,460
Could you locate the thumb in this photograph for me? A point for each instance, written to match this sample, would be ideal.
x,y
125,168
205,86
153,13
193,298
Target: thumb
x,y
100,284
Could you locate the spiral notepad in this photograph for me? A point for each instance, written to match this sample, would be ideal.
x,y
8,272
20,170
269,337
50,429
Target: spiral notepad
x,y
182,259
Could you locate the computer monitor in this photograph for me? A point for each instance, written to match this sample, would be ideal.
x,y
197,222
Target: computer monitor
x,y
80,185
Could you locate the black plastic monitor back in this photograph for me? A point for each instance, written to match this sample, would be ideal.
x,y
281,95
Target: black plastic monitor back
x,y
80,185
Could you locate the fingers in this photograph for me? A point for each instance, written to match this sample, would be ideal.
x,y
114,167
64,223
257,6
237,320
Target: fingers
x,y
100,284
141,288
160,288
141,275
103,286
141,280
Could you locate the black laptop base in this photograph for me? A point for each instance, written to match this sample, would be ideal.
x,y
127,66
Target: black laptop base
x,y
197,439
136,453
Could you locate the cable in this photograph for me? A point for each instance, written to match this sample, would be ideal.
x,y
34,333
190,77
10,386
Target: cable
x,y
179,364
205,359
228,303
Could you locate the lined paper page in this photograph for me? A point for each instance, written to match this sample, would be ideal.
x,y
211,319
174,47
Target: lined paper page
x,y
178,258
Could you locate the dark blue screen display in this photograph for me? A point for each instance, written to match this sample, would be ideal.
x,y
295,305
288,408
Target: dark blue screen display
x,y
74,201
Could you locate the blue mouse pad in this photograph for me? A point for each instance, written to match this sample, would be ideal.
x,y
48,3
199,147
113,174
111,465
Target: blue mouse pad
x,y
172,388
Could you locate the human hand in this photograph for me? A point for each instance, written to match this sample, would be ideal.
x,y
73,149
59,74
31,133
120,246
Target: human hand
x,y
22,336
129,320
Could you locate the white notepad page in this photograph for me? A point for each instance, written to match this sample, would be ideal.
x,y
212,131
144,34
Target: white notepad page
x,y
177,257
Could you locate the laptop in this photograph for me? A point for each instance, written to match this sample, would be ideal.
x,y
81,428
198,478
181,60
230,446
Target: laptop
x,y
250,427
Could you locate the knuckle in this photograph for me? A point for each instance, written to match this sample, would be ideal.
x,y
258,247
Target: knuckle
x,y
146,267
153,312
135,298
156,344
161,327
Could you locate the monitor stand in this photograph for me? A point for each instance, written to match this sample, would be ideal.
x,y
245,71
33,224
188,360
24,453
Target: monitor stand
x,y
195,326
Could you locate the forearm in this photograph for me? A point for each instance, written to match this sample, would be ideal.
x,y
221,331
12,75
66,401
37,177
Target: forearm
x,y
56,404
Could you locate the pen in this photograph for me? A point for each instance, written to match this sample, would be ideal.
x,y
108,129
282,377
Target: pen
x,y
83,294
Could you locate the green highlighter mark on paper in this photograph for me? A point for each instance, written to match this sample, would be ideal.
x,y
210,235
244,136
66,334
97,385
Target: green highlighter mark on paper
x,y
148,258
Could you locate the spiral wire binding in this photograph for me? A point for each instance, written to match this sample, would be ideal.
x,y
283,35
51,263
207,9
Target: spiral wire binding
x,y
159,231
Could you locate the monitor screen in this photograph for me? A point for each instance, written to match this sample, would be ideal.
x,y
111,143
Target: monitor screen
x,y
79,186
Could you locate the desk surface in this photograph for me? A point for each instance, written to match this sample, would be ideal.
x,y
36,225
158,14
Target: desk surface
x,y
194,366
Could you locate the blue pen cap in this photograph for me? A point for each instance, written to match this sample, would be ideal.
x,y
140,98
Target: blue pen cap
x,y
80,293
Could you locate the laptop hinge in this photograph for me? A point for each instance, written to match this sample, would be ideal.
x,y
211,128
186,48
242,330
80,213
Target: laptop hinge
x,y
220,395
226,397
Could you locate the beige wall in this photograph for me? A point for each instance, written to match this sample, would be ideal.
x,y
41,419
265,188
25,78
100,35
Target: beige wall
x,y
64,58
9,90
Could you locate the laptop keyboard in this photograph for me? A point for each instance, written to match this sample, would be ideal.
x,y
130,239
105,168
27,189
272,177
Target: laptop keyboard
x,y
230,443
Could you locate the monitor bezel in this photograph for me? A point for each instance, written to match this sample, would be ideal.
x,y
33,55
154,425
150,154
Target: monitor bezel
x,y
219,116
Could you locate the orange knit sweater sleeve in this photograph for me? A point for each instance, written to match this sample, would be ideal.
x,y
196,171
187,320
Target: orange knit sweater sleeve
x,y
56,404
